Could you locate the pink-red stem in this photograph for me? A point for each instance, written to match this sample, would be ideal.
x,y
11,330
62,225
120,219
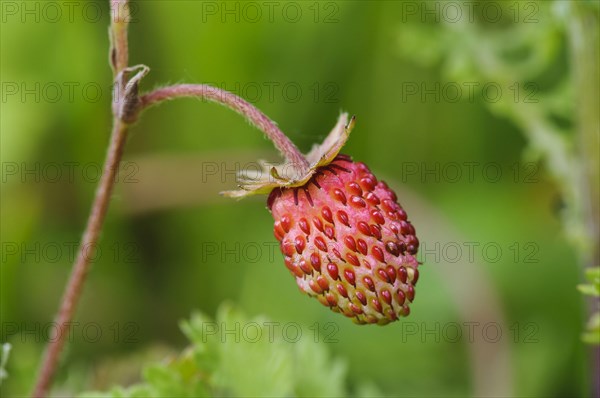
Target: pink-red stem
x,y
118,60
241,106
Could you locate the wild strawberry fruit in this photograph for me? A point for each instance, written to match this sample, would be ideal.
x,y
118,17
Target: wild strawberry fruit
x,y
343,234
348,242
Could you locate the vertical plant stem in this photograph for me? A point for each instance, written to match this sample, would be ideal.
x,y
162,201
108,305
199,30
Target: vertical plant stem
x,y
119,50
118,59
584,48
81,266
584,42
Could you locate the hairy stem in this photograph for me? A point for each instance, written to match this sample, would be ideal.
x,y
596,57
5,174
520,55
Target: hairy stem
x,y
72,294
119,49
80,269
241,106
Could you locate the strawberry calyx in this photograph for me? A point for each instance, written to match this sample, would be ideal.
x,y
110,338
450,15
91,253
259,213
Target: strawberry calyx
x,y
288,175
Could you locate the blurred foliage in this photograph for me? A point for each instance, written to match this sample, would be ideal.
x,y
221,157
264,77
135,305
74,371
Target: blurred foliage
x,y
218,363
592,289
361,63
526,58
3,359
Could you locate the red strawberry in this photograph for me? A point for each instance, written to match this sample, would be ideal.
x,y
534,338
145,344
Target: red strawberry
x,y
348,242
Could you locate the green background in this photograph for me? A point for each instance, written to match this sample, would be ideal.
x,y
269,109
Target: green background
x,y
157,263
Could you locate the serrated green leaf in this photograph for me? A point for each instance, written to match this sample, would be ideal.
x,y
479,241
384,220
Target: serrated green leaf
x,y
317,375
165,380
141,391
249,367
235,355
115,392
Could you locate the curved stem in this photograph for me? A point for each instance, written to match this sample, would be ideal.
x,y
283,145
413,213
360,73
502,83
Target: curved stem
x,y
118,60
241,106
